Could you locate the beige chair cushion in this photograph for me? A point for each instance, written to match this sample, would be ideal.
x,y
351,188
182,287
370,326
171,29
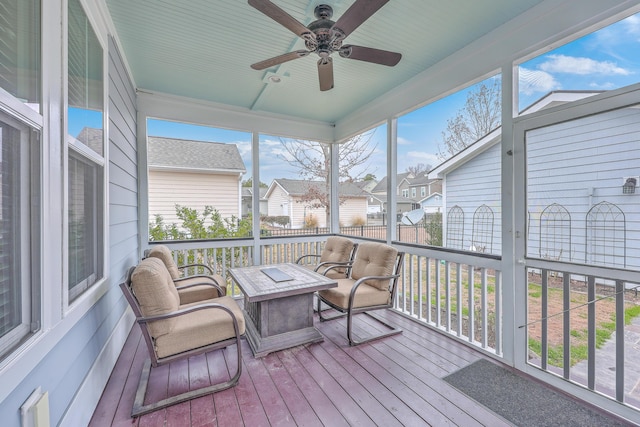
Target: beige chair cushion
x,y
154,289
365,295
336,249
200,293
374,259
200,328
163,253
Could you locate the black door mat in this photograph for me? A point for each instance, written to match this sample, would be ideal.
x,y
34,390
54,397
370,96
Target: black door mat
x,y
522,401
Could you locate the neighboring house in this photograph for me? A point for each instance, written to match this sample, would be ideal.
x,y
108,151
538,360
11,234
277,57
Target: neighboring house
x,y
92,138
421,186
203,174
432,204
286,197
587,213
247,200
410,191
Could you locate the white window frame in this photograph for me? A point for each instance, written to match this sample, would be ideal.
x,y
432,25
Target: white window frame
x,y
85,298
26,232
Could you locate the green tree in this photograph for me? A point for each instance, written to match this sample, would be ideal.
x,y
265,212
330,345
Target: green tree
x,y
249,183
194,225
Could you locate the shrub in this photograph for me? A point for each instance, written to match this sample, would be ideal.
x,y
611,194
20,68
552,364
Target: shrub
x,y
310,221
281,220
358,221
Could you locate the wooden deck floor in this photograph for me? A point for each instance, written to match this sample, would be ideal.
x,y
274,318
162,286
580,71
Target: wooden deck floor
x,y
390,382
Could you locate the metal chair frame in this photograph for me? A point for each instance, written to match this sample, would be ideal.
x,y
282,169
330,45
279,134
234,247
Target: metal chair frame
x,y
350,311
139,408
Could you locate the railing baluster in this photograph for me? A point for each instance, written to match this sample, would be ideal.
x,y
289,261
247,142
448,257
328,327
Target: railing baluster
x,y
471,303
459,297
591,333
620,341
428,290
485,311
545,323
566,321
419,261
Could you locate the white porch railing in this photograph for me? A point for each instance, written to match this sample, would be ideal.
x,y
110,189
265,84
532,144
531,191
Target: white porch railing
x,y
583,326
459,293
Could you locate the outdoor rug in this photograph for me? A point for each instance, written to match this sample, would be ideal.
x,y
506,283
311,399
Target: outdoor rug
x,y
522,401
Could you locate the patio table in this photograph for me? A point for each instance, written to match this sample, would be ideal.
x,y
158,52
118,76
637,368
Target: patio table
x,y
278,305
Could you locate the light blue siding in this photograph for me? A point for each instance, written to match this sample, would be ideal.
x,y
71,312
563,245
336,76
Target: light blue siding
x,y
64,369
474,184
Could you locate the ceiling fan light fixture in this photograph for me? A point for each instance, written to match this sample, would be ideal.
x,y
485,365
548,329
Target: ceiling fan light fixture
x,y
272,78
324,37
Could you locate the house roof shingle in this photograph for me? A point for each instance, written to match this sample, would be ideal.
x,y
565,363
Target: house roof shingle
x,y
188,154
298,187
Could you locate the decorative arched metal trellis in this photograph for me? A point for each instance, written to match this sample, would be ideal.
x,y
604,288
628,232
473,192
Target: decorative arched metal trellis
x,y
455,228
555,233
605,236
482,233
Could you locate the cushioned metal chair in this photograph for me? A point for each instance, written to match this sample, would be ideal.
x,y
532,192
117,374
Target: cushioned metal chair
x,y
174,331
191,288
371,285
337,251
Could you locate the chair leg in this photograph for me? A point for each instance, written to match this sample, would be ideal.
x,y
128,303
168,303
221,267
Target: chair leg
x,y
139,408
327,318
393,330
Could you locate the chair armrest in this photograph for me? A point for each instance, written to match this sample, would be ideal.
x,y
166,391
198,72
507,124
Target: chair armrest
x,y
183,311
206,267
361,280
307,256
332,265
196,276
213,284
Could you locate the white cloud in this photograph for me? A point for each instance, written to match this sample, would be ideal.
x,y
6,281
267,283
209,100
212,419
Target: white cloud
x,y
536,81
632,25
581,66
603,86
422,157
404,141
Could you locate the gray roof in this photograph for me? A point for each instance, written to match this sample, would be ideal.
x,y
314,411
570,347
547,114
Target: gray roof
x,y
381,187
201,155
298,187
422,179
92,138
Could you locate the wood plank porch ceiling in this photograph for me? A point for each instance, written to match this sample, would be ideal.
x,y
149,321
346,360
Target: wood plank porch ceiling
x,y
393,381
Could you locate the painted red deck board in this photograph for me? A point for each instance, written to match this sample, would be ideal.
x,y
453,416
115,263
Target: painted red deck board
x,y
298,406
349,409
323,407
252,412
391,382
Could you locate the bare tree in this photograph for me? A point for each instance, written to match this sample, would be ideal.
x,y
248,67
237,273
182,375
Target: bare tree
x,y
312,159
418,169
479,116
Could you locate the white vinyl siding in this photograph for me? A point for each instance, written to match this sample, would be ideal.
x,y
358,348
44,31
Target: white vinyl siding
x,y
352,208
298,210
474,184
579,164
194,190
277,199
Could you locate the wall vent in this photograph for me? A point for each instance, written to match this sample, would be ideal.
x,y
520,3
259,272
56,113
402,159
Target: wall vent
x,y
35,410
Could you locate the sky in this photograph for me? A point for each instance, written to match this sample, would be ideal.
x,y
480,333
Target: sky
x,y
604,60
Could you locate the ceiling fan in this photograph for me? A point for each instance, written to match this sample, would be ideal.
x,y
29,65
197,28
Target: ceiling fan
x,y
324,36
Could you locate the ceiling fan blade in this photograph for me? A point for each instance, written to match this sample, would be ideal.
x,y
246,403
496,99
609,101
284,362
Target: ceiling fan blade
x,y
360,11
377,56
325,73
283,18
276,60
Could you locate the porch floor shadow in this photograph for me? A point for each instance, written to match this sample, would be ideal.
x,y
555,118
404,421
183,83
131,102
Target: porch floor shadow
x,y
389,382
